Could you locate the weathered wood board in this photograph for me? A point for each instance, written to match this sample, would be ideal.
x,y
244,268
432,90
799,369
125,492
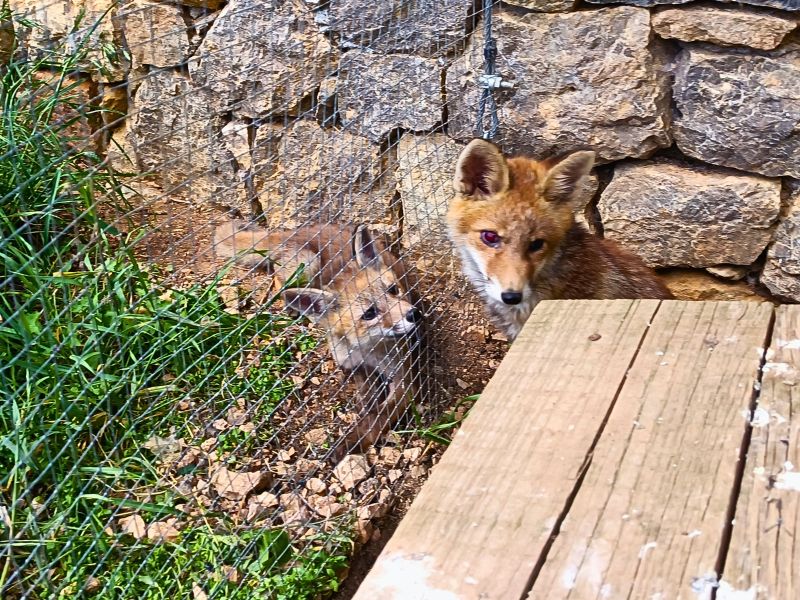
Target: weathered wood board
x,y
480,522
599,462
764,555
649,518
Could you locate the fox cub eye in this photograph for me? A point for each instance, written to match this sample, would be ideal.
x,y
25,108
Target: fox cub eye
x,y
370,314
535,245
490,238
393,291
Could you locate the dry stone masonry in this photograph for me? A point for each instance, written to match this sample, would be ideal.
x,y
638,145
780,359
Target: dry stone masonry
x,y
356,110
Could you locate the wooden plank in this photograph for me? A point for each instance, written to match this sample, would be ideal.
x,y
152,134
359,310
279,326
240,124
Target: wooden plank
x,y
764,555
648,520
481,521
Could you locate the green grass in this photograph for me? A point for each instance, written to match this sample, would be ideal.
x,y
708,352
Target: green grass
x,y
96,353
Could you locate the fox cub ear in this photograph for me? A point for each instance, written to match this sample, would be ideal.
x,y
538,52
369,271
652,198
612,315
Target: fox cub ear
x,y
481,170
309,302
565,178
366,248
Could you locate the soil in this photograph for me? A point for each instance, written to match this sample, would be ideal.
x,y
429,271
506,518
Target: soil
x,y
464,352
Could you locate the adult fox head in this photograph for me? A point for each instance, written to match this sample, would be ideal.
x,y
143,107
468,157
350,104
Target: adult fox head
x,y
362,305
510,216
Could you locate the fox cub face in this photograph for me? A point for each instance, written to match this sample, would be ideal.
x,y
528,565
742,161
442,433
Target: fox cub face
x,y
510,216
362,305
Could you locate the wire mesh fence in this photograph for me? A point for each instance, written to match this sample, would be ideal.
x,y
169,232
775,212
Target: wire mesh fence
x,y
230,329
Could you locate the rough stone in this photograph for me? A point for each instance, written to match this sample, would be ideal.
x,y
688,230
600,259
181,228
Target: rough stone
x,y
76,116
176,138
351,470
677,215
376,94
156,34
424,178
723,26
545,5
205,4
784,4
585,79
781,273
237,486
320,174
424,28
262,57
114,104
686,284
64,26
739,110
7,40
728,272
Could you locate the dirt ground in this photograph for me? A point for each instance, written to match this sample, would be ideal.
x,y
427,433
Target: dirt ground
x,y
465,351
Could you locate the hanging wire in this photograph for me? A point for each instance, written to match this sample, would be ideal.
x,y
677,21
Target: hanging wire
x,y
490,80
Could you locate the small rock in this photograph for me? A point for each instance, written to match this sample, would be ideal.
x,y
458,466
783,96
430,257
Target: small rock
x,y
594,337
232,574
351,470
390,455
781,272
198,593
686,284
316,485
166,449
261,504
394,475
418,471
368,487
461,383
236,416
162,531
237,486
220,425
369,512
133,525
294,509
412,454
316,437
376,535
729,272
208,445
328,507
286,455
91,585
372,456
307,465
364,531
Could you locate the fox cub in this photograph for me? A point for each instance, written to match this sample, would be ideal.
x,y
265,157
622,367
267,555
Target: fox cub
x,y
513,225
359,293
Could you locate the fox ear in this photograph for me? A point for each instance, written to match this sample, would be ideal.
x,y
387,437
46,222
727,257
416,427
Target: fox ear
x,y
365,248
481,170
309,302
565,178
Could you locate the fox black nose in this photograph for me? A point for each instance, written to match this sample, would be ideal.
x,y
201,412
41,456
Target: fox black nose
x,y
413,315
511,297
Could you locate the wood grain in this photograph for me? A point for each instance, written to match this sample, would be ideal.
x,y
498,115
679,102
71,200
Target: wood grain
x,y
764,555
480,523
648,519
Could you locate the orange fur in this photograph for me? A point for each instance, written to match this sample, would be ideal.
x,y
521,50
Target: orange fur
x,y
540,253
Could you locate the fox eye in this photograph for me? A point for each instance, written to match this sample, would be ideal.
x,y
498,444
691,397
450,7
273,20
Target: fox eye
x,y
535,245
393,291
370,313
490,238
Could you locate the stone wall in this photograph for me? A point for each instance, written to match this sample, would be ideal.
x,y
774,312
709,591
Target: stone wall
x,y
356,109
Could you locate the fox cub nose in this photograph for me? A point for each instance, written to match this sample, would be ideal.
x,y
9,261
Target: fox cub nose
x,y
511,297
413,315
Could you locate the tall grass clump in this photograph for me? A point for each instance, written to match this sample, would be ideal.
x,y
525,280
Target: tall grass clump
x,y
95,352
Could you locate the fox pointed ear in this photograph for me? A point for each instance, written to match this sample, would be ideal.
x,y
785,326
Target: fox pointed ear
x,y
309,302
365,249
565,177
481,170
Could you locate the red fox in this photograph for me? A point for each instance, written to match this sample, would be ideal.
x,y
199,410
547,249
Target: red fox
x,y
360,294
513,225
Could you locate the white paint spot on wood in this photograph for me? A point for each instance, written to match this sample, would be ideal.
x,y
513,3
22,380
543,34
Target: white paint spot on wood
x,y
789,344
405,575
788,481
788,466
470,581
644,549
694,533
605,590
760,418
727,592
704,585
